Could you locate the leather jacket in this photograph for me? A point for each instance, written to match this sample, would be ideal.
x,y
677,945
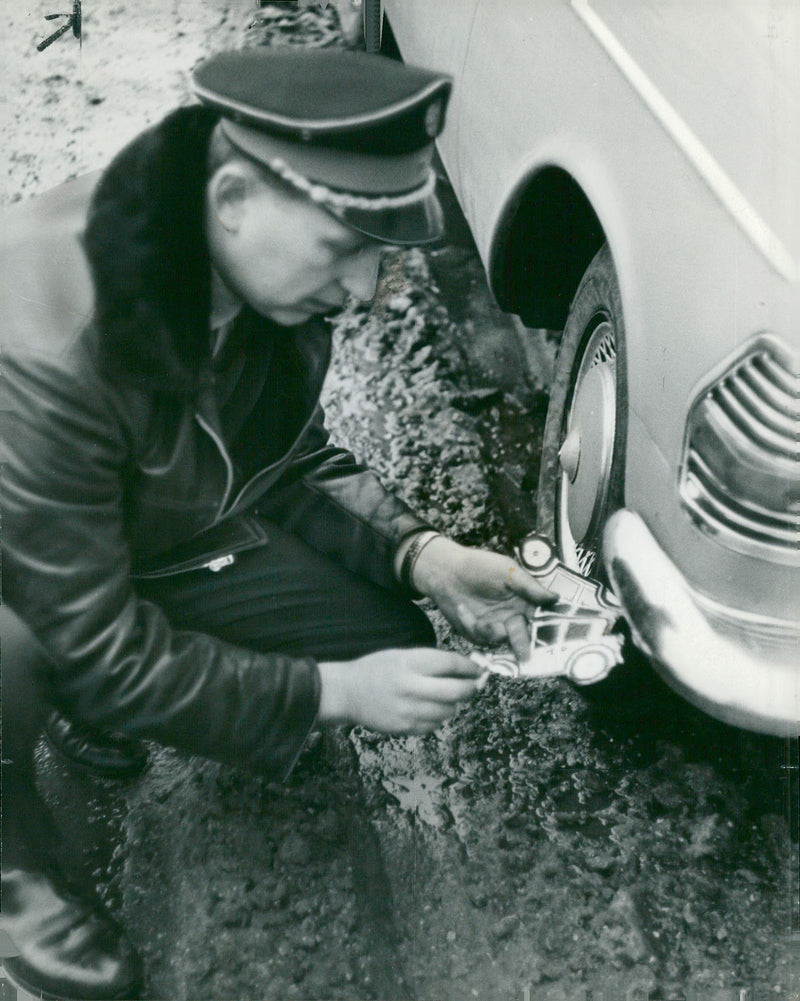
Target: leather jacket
x,y
106,478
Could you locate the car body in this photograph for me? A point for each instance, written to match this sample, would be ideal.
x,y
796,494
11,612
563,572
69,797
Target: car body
x,y
670,133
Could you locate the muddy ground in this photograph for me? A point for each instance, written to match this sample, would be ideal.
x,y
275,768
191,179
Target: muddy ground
x,y
539,846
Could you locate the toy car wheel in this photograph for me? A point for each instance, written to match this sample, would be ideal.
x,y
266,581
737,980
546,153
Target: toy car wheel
x,y
582,464
372,14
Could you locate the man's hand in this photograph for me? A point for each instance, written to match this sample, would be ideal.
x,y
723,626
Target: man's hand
x,y
397,691
486,597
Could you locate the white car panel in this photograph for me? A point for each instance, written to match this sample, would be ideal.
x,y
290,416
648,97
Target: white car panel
x,y
679,123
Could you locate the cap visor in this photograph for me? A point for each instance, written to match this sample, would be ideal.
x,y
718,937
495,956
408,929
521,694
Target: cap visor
x,y
422,222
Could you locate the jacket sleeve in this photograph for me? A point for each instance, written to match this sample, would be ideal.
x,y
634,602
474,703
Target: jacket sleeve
x,y
341,508
116,662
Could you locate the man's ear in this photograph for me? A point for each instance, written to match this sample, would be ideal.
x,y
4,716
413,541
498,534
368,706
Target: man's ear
x,y
228,190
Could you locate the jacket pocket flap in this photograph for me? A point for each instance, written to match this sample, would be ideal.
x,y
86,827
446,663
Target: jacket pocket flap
x,y
213,545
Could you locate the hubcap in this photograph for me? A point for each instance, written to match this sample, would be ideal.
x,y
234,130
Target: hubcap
x,y
569,454
587,451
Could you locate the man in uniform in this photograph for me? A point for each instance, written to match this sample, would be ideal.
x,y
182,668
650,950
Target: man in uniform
x,y
186,556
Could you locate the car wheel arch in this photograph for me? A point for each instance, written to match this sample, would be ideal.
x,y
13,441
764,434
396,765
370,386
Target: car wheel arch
x,y
546,237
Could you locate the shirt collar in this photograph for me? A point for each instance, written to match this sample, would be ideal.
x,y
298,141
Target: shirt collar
x,y
225,306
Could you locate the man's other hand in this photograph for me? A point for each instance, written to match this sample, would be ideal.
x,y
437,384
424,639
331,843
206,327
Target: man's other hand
x,y
398,691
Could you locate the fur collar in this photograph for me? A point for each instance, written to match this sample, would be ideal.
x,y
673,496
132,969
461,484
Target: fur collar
x,y
146,246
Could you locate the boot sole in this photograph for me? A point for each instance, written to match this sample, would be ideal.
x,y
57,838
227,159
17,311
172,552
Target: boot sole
x,y
122,774
130,994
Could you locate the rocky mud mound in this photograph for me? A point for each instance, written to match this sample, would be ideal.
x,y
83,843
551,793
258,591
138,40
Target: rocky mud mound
x,y
541,845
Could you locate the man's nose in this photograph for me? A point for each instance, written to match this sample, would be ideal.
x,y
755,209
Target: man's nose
x,y
360,273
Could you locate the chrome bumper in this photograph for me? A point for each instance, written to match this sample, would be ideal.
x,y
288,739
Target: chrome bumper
x,y
739,667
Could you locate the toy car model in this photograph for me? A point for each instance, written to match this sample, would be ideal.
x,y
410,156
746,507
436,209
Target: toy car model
x,y
577,637
630,175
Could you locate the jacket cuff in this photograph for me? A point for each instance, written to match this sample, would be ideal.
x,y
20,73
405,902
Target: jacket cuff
x,y
295,723
306,729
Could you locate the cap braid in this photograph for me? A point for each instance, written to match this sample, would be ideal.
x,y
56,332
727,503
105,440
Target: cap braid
x,y
324,195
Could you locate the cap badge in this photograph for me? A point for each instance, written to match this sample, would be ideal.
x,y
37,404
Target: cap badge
x,y
433,119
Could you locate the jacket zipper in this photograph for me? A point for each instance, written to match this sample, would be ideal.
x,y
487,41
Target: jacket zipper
x,y
267,469
227,459
229,464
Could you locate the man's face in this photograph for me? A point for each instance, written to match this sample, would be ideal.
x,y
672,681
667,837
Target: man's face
x,y
286,257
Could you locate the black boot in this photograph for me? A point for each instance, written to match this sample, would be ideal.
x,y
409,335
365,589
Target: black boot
x,y
69,947
112,755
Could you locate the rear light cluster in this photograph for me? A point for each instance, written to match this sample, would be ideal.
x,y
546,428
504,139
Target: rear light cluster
x,y
740,474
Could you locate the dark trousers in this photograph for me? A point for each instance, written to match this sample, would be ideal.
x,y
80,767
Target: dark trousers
x,y
283,597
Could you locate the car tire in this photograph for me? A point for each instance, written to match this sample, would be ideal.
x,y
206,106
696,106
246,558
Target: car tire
x,y
372,18
581,474
594,337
